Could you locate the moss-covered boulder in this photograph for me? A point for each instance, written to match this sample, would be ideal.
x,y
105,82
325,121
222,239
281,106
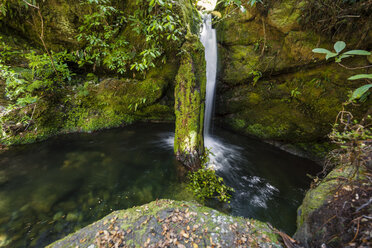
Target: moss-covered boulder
x,y
167,223
328,212
189,104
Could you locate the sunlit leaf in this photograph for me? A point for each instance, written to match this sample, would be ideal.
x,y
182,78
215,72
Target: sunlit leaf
x,y
358,93
357,52
360,76
339,46
321,50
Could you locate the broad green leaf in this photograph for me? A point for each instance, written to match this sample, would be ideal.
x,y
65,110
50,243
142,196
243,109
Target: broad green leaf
x,y
321,50
331,55
357,52
358,93
360,76
339,46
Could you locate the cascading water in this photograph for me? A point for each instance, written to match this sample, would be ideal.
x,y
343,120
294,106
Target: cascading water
x,y
224,157
209,40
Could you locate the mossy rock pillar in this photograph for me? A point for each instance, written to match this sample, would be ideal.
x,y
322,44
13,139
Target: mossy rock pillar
x,y
189,104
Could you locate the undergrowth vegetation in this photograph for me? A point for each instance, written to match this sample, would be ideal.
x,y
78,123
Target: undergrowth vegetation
x,y
205,184
155,22
345,218
338,18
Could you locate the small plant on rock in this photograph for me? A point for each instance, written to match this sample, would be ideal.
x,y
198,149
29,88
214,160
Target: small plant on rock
x,y
205,184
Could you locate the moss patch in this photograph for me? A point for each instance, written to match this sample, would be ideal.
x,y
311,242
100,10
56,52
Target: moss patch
x,y
189,103
297,108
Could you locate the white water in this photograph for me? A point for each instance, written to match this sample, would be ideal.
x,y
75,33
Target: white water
x,y
209,40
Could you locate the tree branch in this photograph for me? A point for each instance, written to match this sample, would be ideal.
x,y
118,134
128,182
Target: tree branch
x,y
354,68
31,5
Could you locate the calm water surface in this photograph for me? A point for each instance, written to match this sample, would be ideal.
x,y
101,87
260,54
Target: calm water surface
x,y
50,189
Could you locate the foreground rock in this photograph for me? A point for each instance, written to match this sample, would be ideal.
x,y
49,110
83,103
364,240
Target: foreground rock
x,y
337,212
167,223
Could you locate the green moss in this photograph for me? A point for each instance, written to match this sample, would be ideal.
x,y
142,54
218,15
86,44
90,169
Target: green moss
x,y
271,110
238,124
319,195
285,15
317,149
189,99
265,132
111,103
254,98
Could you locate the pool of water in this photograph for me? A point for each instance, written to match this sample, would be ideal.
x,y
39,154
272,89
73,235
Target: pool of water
x,y
50,189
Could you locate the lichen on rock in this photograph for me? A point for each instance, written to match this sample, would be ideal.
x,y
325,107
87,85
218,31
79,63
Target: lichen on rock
x,y
167,223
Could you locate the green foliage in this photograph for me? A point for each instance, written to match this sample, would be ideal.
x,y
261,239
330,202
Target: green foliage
x,y
154,21
353,138
205,184
43,81
256,76
360,76
17,87
6,51
157,22
360,93
295,93
100,32
338,47
240,2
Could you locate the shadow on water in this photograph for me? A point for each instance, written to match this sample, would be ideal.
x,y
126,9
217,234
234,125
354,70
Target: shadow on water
x,y
50,189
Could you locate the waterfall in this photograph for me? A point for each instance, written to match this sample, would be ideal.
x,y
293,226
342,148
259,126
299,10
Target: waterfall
x,y
209,40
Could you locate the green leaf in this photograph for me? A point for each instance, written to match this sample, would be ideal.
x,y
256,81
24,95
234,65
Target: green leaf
x,y
321,50
358,93
360,76
339,46
331,55
357,52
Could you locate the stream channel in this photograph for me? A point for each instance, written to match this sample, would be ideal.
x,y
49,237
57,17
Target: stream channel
x,y
52,188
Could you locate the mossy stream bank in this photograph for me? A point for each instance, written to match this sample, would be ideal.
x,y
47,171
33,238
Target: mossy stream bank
x,y
273,87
